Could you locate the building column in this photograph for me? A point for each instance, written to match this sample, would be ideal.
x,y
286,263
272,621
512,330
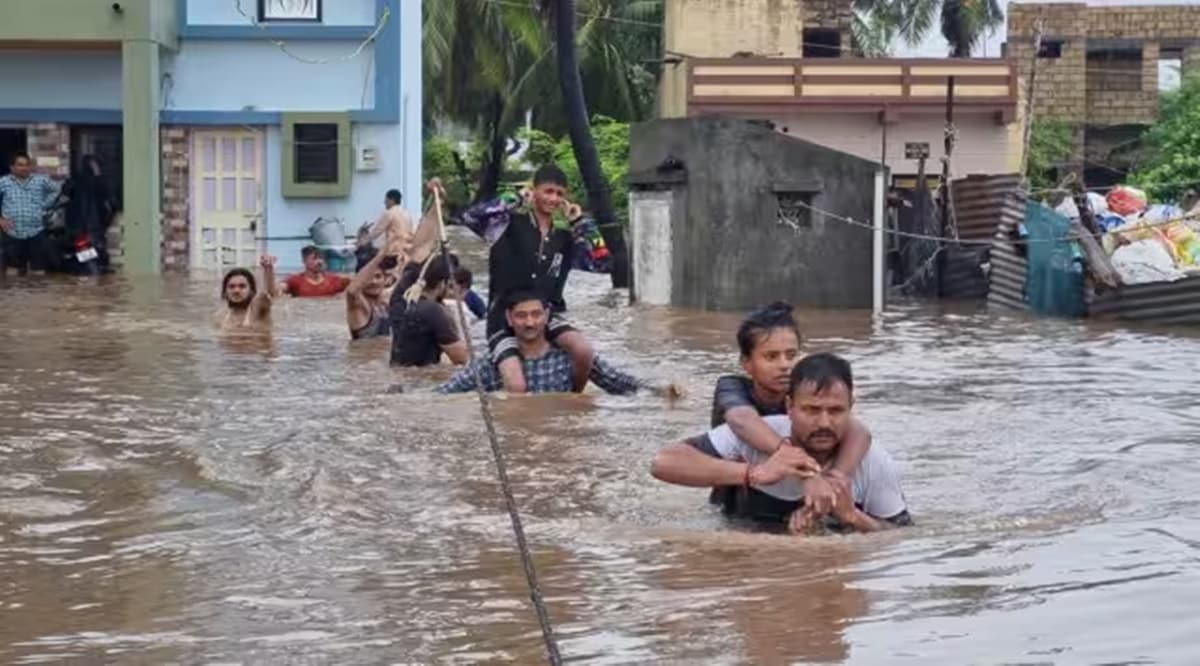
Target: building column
x,y
140,144
411,104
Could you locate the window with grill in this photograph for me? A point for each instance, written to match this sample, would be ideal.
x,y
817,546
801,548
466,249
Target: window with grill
x,y
316,152
795,210
316,155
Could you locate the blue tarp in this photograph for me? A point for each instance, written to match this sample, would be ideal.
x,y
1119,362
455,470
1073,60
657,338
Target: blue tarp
x,y
1054,273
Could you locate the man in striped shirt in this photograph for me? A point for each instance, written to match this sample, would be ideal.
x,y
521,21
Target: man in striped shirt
x,y
24,199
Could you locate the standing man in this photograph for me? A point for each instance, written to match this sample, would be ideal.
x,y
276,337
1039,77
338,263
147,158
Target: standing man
x,y
24,199
394,223
529,252
314,281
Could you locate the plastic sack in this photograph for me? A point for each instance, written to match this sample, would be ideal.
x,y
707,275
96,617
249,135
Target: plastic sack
x,y
1098,203
1126,200
1145,261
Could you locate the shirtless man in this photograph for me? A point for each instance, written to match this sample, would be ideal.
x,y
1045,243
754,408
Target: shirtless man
x,y
393,224
367,296
247,310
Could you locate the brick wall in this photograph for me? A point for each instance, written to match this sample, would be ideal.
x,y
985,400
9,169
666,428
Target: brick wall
x,y
174,142
50,148
1060,85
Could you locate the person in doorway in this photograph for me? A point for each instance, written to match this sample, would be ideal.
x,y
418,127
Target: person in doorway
x,y
393,224
368,294
423,330
547,368
24,199
90,208
769,345
315,281
819,403
247,309
529,252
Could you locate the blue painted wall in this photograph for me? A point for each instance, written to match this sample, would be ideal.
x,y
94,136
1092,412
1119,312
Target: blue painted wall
x,y
258,74
60,79
292,217
224,12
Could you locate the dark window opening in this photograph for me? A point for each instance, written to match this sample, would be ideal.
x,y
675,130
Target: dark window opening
x,y
1050,48
316,146
13,140
1114,71
795,209
822,43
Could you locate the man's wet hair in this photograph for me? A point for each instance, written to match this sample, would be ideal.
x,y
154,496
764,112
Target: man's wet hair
x,y
759,325
236,272
463,277
549,173
522,296
309,251
436,273
389,263
393,195
823,370
20,155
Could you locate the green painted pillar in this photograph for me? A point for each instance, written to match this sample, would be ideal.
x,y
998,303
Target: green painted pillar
x,y
141,227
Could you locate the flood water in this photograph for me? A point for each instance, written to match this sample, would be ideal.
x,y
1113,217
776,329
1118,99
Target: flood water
x,y
167,498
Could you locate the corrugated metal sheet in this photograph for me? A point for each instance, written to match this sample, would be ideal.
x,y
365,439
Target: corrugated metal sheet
x,y
1007,275
981,203
987,208
1160,302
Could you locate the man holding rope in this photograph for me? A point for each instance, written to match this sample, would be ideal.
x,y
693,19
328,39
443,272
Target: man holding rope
x,y
530,253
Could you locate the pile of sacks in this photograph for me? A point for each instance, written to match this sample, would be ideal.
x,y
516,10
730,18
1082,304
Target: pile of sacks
x,y
1145,243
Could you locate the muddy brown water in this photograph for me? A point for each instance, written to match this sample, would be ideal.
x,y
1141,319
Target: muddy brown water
x,y
169,498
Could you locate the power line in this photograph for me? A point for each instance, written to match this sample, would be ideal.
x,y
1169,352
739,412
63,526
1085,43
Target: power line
x,y
283,46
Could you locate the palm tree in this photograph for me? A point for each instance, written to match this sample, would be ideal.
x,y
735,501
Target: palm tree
x,y
484,64
563,17
964,23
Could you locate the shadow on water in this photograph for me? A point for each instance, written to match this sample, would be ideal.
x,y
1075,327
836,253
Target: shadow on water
x,y
170,497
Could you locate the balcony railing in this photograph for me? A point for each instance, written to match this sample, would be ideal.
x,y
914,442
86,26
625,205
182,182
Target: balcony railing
x,y
757,86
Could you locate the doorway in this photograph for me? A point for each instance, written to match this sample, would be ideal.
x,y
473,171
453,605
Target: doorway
x,y
104,142
13,140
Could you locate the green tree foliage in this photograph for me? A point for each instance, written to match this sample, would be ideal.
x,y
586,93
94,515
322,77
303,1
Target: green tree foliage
x,y
612,146
1051,143
1173,171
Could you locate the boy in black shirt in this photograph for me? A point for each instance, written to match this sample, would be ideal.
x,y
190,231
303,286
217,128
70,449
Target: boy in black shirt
x,y
530,253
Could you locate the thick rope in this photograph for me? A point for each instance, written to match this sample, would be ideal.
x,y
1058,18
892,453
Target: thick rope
x,y
535,593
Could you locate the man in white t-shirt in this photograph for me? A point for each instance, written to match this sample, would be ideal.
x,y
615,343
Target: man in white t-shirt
x,y
771,486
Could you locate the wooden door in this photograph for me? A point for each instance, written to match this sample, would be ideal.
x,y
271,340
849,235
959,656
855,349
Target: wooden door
x,y
227,199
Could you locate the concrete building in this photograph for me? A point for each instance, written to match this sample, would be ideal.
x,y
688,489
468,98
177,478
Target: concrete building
x,y
794,64
723,215
1098,70
224,122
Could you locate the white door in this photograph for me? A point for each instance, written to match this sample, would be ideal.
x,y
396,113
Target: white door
x,y
227,208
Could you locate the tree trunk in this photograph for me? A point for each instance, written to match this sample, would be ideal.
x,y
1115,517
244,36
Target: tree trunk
x,y
493,165
579,127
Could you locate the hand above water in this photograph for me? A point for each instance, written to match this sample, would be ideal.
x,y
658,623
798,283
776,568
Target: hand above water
x,y
821,493
787,461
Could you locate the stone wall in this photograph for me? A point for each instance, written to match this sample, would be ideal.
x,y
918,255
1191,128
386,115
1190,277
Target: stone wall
x,y
1096,90
49,145
174,143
